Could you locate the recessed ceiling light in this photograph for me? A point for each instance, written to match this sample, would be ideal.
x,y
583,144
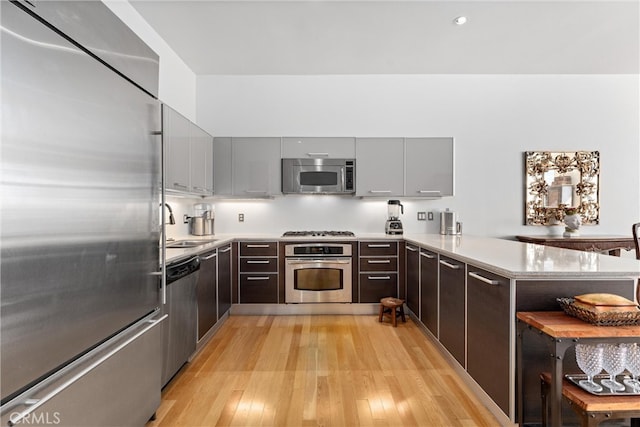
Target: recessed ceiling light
x,y
460,20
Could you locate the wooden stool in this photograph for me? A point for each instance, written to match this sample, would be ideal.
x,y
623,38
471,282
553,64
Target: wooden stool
x,y
388,307
592,409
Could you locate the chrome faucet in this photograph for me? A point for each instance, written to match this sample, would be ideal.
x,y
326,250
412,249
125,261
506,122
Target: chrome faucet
x,y
172,220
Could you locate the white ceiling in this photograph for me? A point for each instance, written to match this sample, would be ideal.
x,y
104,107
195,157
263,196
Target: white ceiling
x,y
399,37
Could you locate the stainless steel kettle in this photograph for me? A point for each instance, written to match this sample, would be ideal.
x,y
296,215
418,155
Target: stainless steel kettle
x,y
449,223
201,225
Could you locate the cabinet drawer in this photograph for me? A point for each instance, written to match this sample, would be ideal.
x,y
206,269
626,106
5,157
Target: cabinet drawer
x,y
258,288
378,248
258,248
375,286
379,264
258,265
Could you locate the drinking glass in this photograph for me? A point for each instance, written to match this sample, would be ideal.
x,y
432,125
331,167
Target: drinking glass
x,y
633,366
614,362
590,358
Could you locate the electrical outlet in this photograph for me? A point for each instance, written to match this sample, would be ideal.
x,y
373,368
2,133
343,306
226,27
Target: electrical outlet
x,y
185,219
241,217
422,216
430,216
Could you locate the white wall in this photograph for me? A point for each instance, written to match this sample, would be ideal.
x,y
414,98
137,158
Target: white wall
x,y
493,118
177,86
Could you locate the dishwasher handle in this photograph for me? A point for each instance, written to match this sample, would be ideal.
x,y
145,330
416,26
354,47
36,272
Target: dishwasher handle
x,y
180,269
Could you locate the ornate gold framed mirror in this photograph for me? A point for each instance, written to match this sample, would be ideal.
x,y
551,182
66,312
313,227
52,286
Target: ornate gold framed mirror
x,y
557,182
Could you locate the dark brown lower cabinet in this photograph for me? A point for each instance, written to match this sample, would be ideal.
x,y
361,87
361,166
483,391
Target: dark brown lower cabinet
x,y
206,293
429,290
452,307
488,333
258,288
375,286
413,279
224,280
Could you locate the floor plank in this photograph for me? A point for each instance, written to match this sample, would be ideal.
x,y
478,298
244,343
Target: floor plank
x,y
318,371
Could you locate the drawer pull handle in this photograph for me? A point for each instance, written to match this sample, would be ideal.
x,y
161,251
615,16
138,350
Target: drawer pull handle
x,y
379,191
436,193
318,154
411,248
257,246
379,245
448,264
177,184
379,261
225,250
251,261
210,256
379,277
257,278
484,279
427,255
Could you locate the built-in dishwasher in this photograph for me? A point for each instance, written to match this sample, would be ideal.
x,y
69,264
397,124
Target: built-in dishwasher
x,y
181,328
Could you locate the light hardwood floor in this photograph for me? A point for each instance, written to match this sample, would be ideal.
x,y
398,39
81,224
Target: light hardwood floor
x,y
318,371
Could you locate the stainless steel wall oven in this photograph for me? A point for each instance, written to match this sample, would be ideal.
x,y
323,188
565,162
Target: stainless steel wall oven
x,y
318,272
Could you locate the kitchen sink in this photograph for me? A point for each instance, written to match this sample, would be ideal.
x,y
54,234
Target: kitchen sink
x,y
189,243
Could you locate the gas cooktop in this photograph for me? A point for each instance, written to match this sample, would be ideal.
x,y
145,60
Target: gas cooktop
x,y
318,234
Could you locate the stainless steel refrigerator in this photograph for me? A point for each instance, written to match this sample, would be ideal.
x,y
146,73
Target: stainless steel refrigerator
x,y
80,272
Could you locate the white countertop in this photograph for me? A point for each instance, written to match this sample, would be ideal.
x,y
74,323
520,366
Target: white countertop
x,y
512,259
526,260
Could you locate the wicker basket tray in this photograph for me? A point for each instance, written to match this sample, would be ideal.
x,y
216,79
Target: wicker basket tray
x,y
609,318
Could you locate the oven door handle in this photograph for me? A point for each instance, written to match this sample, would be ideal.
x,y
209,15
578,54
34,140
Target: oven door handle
x,y
317,261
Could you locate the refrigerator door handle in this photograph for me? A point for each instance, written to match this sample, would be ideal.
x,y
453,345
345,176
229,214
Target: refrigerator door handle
x,y
17,418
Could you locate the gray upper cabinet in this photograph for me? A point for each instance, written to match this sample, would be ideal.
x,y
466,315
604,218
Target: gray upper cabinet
x,y
175,130
380,167
256,166
428,167
318,147
189,155
201,162
222,166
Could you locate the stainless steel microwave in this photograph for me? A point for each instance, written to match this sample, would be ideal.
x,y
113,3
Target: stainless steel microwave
x,y
318,176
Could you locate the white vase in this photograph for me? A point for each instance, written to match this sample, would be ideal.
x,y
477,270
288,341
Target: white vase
x,y
573,223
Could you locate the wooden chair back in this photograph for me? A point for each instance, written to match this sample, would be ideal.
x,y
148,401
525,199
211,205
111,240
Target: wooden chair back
x,y
635,229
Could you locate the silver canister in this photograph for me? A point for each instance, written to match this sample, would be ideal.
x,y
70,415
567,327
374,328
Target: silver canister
x,y
449,223
201,224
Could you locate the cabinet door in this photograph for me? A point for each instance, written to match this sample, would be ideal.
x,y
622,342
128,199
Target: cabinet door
x,y
413,279
380,167
375,286
224,280
488,333
258,288
222,166
429,290
201,162
322,147
429,167
175,131
452,307
256,167
206,292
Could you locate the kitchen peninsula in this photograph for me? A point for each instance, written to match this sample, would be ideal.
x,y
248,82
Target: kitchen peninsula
x,y
472,287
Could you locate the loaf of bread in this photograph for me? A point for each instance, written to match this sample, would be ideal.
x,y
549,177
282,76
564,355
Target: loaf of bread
x,y
601,302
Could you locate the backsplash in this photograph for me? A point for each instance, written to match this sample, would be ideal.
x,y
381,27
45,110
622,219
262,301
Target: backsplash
x,y
274,216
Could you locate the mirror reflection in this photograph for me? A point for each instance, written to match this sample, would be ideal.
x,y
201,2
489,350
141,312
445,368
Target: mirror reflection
x,y
561,182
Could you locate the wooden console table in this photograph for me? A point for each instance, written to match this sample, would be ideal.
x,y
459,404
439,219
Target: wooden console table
x,y
564,331
595,243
